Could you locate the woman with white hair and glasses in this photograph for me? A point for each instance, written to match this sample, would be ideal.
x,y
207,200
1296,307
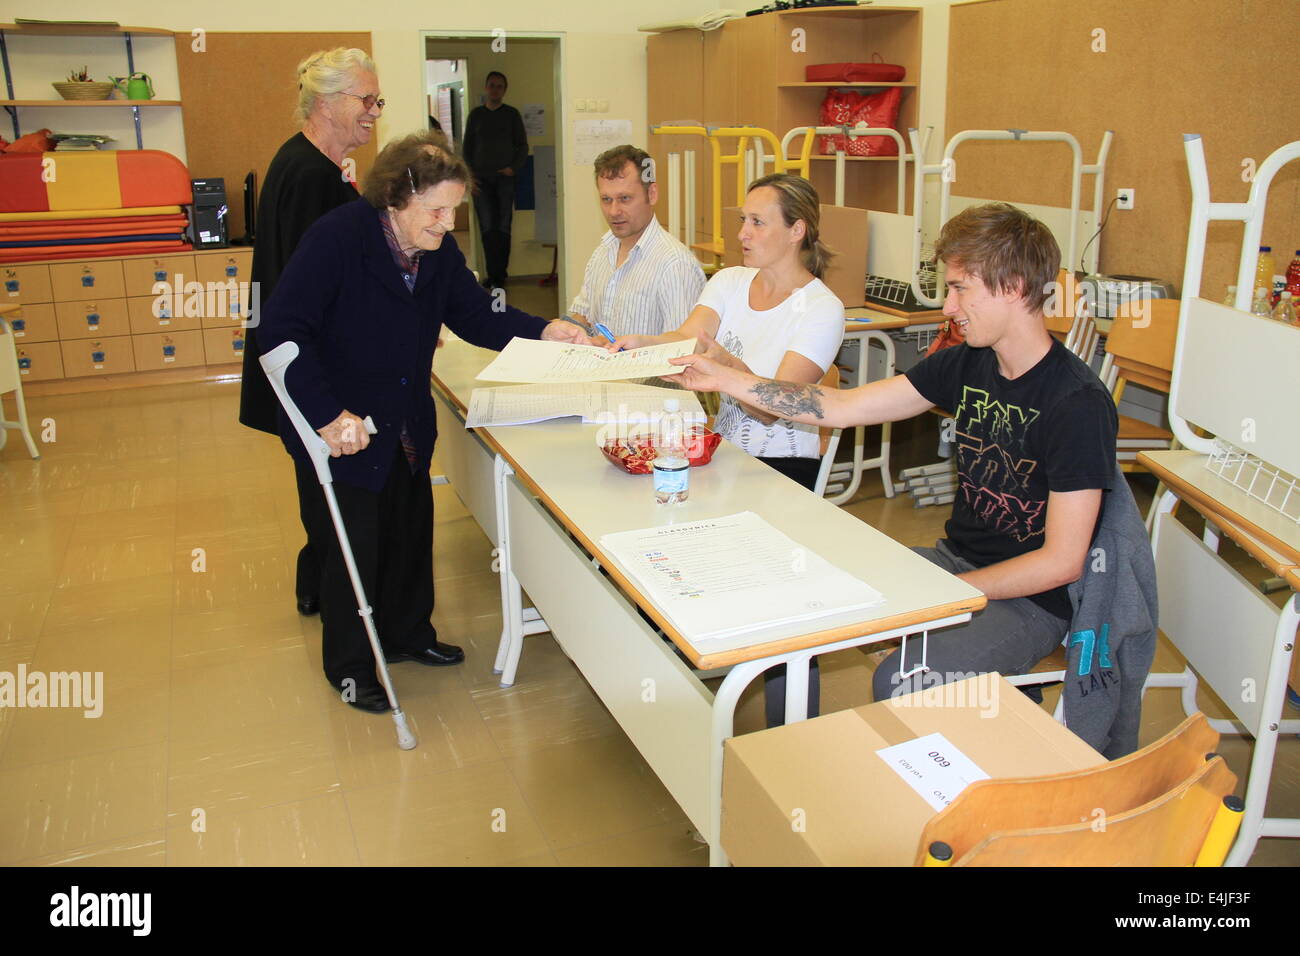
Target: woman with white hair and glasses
x,y
338,103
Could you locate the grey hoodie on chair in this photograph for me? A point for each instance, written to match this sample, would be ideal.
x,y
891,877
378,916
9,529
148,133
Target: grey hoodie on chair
x,y
1113,631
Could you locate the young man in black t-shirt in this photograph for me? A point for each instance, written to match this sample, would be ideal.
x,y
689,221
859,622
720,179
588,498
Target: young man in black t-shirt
x,y
1035,434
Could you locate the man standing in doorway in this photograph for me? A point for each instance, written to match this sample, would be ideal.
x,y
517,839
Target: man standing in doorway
x,y
496,148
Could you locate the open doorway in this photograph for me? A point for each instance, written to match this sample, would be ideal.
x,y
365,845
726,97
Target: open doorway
x,y
456,68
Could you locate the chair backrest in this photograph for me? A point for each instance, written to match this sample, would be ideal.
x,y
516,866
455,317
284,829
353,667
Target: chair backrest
x,y
1153,807
830,380
829,438
1060,318
1140,345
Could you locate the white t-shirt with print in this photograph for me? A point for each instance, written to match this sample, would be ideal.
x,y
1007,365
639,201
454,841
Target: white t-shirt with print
x,y
810,322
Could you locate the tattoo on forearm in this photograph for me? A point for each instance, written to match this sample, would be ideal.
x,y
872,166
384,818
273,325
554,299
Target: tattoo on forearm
x,y
789,400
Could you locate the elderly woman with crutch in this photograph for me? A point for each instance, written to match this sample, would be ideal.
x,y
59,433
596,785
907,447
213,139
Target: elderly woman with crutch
x,y
364,298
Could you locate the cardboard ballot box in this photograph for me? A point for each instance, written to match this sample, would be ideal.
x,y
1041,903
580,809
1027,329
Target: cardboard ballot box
x,y
817,793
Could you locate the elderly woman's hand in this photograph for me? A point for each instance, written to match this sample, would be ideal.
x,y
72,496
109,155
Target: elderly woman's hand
x,y
346,435
558,330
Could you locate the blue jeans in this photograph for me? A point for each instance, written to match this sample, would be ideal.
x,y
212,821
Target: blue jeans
x,y
1008,636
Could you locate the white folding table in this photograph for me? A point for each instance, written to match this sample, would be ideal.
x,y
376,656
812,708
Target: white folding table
x,y
545,496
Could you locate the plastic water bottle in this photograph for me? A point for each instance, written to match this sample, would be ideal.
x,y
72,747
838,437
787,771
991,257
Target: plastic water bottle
x,y
1284,311
1261,306
1231,298
672,469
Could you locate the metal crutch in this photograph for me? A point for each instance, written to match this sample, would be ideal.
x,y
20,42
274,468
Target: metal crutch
x,y
274,363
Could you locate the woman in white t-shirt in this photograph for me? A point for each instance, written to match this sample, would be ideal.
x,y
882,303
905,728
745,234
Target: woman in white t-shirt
x,y
773,316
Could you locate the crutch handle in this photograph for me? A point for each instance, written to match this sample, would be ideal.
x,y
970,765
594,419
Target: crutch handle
x,y
275,363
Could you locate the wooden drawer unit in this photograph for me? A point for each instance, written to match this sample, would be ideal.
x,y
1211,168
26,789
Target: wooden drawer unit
x,y
98,319
103,356
93,279
39,361
224,265
141,274
167,350
223,345
147,313
34,323
25,284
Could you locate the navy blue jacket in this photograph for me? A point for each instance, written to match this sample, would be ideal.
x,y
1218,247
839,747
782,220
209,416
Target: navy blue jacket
x,y
366,342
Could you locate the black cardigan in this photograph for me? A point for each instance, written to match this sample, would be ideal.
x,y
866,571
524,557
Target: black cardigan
x,y
301,185
367,342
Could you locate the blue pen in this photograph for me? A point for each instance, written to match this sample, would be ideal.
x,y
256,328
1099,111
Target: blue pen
x,y
605,332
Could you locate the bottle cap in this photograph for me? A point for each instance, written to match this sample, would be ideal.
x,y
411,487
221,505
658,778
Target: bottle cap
x,y
672,405
1265,248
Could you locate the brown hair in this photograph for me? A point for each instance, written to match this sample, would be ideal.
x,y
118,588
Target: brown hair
x,y
1008,249
610,164
798,200
411,165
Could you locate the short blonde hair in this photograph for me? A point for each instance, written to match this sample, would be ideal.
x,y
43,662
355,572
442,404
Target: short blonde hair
x,y
326,72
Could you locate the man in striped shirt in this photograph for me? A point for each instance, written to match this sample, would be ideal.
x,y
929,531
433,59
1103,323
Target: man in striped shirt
x,y
640,280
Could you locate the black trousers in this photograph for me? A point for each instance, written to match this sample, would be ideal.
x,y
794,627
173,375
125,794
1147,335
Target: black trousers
x,y
391,534
494,204
804,471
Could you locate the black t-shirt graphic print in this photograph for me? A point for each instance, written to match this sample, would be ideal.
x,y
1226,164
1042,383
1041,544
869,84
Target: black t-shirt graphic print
x,y
1051,429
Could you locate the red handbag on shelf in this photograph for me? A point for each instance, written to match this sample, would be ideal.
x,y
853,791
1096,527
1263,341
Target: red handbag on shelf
x,y
874,72
851,108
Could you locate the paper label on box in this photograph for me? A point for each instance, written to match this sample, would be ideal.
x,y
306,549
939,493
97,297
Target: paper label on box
x,y
932,767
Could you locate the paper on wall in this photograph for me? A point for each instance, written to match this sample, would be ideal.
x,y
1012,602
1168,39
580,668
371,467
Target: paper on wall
x,y
593,137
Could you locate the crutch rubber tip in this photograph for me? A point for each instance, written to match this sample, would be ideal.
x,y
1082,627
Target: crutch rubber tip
x,y
405,739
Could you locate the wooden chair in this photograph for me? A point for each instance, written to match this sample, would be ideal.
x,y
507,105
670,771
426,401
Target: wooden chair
x,y
1140,349
11,381
829,437
1071,325
1168,804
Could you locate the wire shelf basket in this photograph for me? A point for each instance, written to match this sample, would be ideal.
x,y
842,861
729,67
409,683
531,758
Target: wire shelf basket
x,y
898,293
1257,478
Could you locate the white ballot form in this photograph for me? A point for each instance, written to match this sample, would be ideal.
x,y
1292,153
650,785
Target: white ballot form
x,y
535,361
598,402
723,577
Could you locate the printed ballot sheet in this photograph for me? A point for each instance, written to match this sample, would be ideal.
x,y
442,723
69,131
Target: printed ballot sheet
x,y
599,402
723,577
534,361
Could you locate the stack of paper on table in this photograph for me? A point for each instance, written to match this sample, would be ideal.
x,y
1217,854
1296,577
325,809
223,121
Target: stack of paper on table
x,y
723,577
599,402
532,360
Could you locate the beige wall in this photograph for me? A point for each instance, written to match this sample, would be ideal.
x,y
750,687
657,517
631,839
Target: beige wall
x,y
603,54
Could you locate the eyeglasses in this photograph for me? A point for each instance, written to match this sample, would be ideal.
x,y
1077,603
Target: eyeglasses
x,y
369,101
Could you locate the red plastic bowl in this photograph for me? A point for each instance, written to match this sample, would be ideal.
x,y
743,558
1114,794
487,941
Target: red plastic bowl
x,y
636,454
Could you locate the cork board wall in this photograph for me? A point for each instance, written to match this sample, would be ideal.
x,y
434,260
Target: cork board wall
x,y
1218,68
239,95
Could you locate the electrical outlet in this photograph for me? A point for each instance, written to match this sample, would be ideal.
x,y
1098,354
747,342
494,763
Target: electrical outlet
x,y
1125,199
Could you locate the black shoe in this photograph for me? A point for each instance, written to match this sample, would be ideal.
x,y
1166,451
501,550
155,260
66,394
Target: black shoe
x,y
436,654
307,606
363,695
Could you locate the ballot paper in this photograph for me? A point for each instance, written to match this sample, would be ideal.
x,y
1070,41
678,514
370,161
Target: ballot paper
x,y
616,403
723,577
932,767
535,361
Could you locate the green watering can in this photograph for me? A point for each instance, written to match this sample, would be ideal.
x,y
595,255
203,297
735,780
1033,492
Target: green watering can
x,y
137,86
